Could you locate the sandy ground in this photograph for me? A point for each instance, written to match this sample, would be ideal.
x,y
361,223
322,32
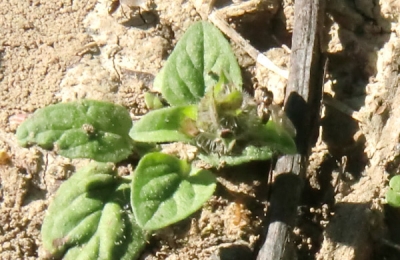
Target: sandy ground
x,y
56,51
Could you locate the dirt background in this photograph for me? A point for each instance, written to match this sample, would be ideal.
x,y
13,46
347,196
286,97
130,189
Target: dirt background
x,y
55,51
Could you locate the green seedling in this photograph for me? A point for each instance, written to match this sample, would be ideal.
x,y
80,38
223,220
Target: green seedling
x,y
208,108
224,125
97,214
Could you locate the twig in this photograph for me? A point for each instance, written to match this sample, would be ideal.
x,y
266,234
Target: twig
x,y
302,102
90,47
345,109
390,244
237,38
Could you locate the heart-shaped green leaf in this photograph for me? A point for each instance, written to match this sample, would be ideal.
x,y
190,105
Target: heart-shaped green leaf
x,y
88,218
165,125
393,193
83,129
166,190
200,55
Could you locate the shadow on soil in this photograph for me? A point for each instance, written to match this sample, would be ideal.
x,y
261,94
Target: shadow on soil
x,y
362,31
263,33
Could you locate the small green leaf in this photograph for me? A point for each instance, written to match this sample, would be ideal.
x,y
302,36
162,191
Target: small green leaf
x,y
200,54
152,101
276,137
227,96
83,129
165,125
166,190
393,198
394,183
393,194
250,153
88,218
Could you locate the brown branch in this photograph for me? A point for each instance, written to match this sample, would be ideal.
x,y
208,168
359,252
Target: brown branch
x,y
302,102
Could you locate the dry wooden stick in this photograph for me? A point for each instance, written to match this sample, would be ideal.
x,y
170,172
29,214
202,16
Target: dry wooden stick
x,y
340,106
237,38
302,102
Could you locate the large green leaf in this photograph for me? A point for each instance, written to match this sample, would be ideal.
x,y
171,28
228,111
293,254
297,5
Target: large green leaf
x,y
88,218
83,129
200,55
165,125
166,190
